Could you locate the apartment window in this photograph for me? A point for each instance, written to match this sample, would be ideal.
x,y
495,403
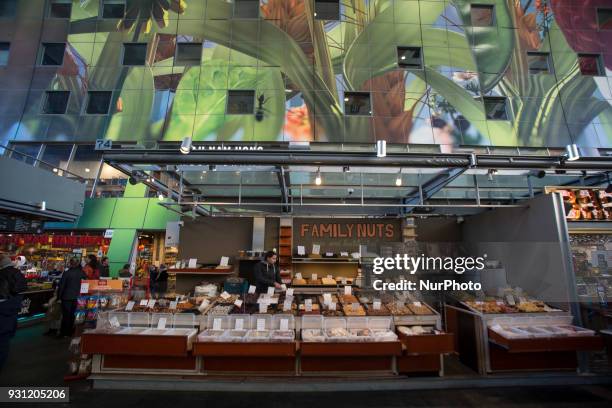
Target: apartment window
x,y
52,53
60,8
134,54
482,15
188,54
327,10
113,8
246,8
590,64
5,49
98,102
538,62
604,18
55,102
240,102
86,162
8,8
25,152
495,108
56,156
357,103
409,57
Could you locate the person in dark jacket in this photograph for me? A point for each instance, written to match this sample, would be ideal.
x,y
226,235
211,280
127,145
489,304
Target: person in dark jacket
x,y
267,273
104,269
125,271
162,280
12,283
69,290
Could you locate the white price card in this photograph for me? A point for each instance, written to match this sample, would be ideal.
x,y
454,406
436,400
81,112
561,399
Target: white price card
x,y
283,287
129,306
327,298
417,304
224,261
204,305
314,276
151,303
284,324
225,295
308,305
301,250
329,254
263,307
217,324
239,324
238,303
114,322
290,292
345,254
332,306
193,263
261,324
298,276
270,290
144,302
344,281
84,287
330,277
348,290
161,323
287,306
499,302
173,305
354,307
522,299
376,305
252,289
316,249
510,299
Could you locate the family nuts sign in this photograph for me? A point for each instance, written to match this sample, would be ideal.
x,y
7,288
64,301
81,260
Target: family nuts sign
x,y
351,229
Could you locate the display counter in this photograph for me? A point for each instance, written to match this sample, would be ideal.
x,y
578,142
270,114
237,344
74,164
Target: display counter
x,y
32,303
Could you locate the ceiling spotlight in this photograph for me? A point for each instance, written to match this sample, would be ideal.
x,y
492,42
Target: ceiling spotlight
x,y
87,170
212,167
403,57
381,148
186,145
43,206
346,169
398,179
571,152
160,196
55,169
318,179
346,99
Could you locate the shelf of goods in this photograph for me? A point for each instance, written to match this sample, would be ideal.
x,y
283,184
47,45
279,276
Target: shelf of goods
x,y
493,336
284,247
142,342
316,275
203,271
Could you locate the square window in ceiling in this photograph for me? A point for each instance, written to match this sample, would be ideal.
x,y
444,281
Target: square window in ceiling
x,y
246,8
495,108
604,18
357,103
240,102
8,8
538,62
188,54
5,50
482,15
113,8
327,10
98,102
53,53
590,64
56,102
60,8
134,54
409,57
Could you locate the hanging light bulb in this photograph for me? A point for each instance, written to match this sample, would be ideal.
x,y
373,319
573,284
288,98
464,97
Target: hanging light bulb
x,y
186,145
160,196
398,179
572,152
381,148
318,179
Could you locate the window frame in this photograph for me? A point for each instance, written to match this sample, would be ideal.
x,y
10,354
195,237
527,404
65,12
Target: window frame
x,y
86,104
548,62
15,10
405,66
599,28
227,101
50,4
498,98
176,54
601,70
45,99
42,54
144,64
327,19
235,2
8,59
103,3
482,6
369,95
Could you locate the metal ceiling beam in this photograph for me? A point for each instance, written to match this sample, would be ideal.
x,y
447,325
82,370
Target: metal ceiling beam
x,y
282,157
431,187
283,182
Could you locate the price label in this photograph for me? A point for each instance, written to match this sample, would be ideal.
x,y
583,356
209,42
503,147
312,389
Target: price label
x,y
510,299
173,305
308,305
344,281
290,292
270,290
298,275
204,305
261,324
301,250
329,254
327,298
161,323
225,295
522,299
314,276
283,287
376,305
355,307
129,306
263,307
239,324
345,254
330,277
417,304
332,306
348,290
238,303
217,324
284,324
287,306
252,289
144,302
84,287
151,303
114,322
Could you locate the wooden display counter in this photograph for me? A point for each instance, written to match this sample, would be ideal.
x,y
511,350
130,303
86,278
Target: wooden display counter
x,y
349,358
134,345
250,358
423,353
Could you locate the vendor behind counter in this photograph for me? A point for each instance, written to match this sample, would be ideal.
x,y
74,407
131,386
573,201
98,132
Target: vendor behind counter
x,y
267,273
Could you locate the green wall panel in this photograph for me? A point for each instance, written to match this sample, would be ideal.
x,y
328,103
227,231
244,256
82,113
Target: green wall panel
x,y
135,191
97,213
120,248
129,213
157,216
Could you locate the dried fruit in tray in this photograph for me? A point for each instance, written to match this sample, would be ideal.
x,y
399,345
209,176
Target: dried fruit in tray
x,y
419,309
383,311
348,309
328,281
349,299
398,310
298,281
531,307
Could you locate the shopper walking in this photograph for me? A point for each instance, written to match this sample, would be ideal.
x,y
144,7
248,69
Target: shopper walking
x,y
104,268
69,289
267,273
12,283
92,268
